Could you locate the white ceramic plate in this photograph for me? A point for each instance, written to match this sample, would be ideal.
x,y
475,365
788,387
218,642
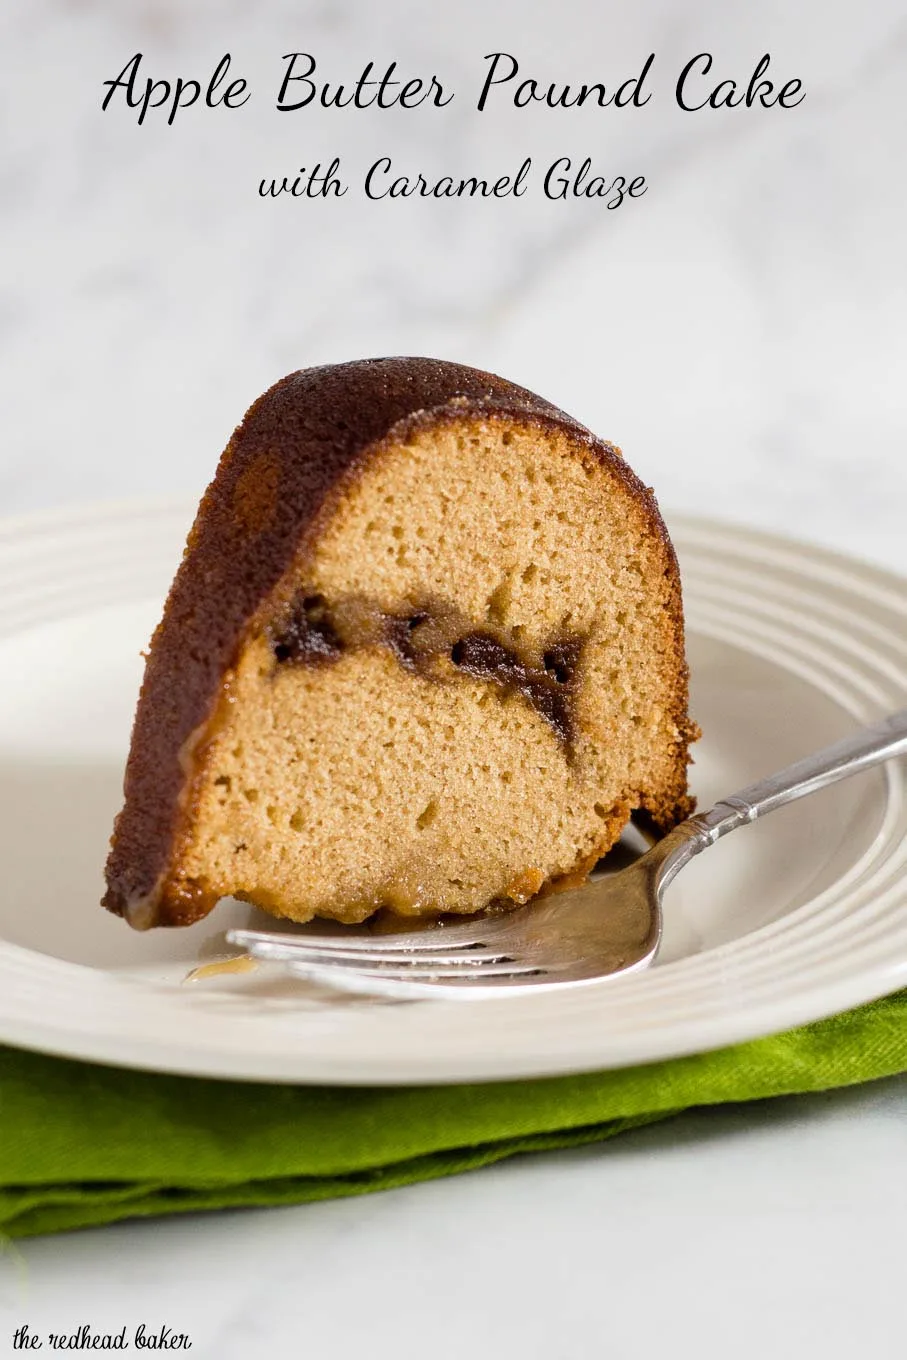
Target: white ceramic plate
x,y
797,917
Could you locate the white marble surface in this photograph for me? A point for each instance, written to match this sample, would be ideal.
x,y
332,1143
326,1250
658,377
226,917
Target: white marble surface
x,y
739,331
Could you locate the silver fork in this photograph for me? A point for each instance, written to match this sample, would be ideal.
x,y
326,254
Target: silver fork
x,y
610,925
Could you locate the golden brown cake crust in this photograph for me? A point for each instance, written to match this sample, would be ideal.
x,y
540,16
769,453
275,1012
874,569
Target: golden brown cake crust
x,y
297,447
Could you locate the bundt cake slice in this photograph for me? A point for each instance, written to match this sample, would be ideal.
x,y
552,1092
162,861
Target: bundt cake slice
x,y
424,651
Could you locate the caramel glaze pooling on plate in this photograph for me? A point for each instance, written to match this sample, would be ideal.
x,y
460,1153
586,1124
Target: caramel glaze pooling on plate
x,y
434,640
240,963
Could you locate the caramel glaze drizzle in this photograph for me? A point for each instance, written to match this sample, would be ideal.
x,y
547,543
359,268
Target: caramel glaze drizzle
x,y
425,637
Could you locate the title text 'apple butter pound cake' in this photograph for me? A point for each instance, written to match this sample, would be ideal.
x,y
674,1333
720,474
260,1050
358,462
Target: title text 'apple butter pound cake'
x,y
424,651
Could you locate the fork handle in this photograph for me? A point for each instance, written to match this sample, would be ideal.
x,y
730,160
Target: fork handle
x,y
869,747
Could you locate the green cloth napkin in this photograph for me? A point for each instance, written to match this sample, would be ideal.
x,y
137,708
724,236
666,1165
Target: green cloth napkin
x,y
82,1145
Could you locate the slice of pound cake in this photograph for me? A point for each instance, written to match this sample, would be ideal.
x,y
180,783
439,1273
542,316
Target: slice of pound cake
x,y
424,651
